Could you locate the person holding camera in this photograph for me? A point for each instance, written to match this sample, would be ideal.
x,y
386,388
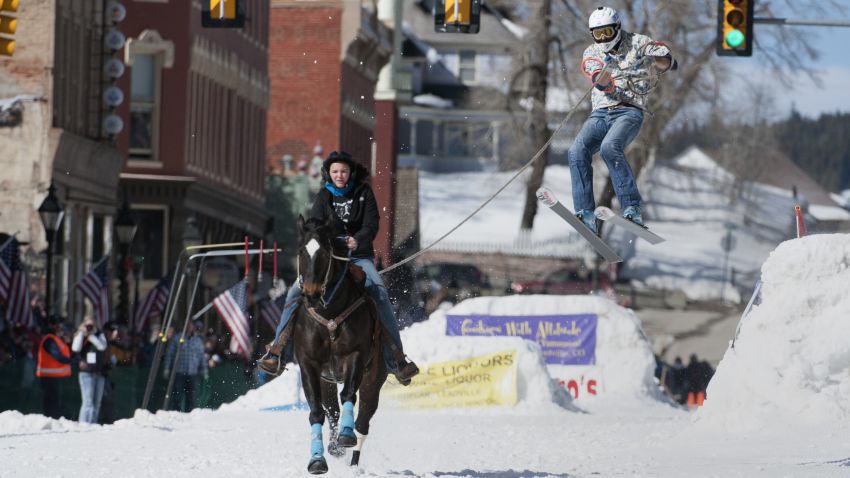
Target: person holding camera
x,y
90,346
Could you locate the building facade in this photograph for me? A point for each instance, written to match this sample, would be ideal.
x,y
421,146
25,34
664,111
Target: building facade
x,y
195,126
56,135
458,118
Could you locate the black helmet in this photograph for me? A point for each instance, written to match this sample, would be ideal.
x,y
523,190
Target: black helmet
x,y
339,157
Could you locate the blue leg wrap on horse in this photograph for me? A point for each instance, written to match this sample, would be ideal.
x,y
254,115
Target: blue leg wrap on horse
x,y
347,419
316,445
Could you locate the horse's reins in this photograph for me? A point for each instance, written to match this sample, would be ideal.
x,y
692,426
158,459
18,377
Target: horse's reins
x,y
331,324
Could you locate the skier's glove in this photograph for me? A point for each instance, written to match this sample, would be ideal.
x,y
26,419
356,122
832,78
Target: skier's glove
x,y
602,81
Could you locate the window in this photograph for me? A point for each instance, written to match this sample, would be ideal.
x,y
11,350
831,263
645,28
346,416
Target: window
x,y
148,54
149,241
143,106
424,137
404,136
466,69
457,139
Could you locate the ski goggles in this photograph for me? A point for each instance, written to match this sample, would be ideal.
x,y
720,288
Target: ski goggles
x,y
603,33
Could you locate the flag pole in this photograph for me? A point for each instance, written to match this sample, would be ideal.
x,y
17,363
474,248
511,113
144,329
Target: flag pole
x,y
260,267
274,266
246,256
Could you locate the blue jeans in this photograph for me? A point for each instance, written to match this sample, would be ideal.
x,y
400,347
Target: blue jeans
x,y
607,131
91,388
377,290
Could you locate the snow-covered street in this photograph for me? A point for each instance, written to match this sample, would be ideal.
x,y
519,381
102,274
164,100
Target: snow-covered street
x,y
777,405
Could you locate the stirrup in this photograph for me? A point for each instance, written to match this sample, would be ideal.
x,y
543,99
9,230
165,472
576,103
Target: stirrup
x,y
405,372
271,366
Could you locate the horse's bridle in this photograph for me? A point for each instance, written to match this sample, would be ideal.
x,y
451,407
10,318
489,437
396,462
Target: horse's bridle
x,y
327,301
331,324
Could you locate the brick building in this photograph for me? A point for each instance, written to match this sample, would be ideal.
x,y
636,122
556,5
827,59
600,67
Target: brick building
x,y
324,60
55,135
195,125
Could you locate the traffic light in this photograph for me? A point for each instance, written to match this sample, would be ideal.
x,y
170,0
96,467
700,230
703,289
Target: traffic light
x,y
222,13
735,27
457,16
8,26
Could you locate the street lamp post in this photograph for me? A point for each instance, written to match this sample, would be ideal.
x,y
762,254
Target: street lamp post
x,y
51,214
125,229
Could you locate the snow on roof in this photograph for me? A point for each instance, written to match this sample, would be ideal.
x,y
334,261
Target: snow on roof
x,y
842,198
435,101
829,213
695,158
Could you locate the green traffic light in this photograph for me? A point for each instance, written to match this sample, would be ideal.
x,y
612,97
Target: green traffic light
x,y
735,38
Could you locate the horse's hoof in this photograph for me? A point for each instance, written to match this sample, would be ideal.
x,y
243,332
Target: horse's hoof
x,y
317,466
346,438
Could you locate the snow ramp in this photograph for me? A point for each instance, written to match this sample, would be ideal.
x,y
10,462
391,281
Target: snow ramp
x,y
790,363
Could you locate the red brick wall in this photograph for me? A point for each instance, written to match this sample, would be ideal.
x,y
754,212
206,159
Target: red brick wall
x,y
304,78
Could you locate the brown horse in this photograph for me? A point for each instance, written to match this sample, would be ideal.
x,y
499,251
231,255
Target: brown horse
x,y
336,339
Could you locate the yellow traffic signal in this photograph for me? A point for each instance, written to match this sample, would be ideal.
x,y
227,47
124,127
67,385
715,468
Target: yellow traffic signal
x,y
223,14
735,27
8,26
223,9
457,16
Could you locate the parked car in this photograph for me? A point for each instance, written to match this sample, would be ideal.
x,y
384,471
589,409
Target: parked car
x,y
562,282
456,281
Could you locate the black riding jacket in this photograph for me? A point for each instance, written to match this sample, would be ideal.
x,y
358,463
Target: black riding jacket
x,y
363,219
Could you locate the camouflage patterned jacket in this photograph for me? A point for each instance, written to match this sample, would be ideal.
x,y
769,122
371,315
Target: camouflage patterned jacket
x,y
628,59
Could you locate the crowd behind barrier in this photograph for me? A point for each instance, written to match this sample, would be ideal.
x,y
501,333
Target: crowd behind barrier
x,y
125,369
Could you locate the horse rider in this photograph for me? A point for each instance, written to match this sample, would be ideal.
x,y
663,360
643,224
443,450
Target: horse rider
x,y
348,200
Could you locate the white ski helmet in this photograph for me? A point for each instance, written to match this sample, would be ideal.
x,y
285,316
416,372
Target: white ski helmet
x,y
606,17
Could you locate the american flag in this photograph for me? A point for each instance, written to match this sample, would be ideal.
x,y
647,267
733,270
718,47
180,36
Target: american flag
x,y
13,286
231,306
271,309
95,286
153,305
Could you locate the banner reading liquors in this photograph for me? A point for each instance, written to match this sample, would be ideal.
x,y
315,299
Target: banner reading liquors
x,y
475,382
565,339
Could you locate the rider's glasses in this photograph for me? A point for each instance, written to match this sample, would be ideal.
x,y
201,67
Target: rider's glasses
x,y
603,33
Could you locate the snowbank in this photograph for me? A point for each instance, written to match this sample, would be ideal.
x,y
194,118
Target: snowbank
x,y
623,369
791,359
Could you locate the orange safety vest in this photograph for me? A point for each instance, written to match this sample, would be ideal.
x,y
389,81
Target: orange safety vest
x,y
49,366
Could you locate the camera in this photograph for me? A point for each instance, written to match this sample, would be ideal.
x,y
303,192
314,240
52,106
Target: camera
x,y
89,327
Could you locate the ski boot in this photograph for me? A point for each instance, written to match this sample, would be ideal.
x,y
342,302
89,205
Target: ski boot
x,y
589,219
632,213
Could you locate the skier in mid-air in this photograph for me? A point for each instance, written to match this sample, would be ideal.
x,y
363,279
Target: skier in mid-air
x,y
613,63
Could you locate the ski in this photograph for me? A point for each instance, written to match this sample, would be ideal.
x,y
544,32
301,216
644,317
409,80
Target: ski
x,y
547,197
608,215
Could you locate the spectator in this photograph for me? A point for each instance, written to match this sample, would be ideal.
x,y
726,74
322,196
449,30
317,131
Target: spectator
x,y
676,379
90,346
117,353
54,365
190,362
